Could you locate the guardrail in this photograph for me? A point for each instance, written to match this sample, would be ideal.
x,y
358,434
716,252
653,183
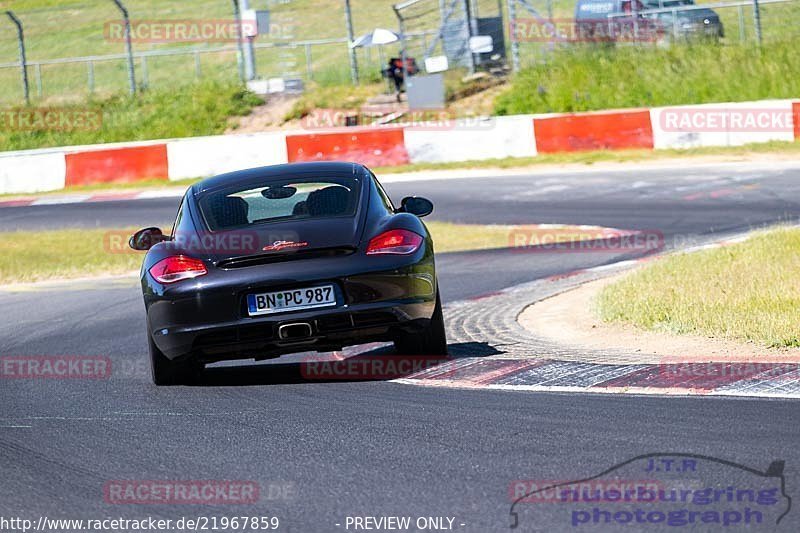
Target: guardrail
x,y
673,127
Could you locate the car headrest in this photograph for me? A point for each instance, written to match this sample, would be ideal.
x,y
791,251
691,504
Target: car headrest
x,y
229,211
330,201
300,209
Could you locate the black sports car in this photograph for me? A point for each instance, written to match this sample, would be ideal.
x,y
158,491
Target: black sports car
x,y
288,258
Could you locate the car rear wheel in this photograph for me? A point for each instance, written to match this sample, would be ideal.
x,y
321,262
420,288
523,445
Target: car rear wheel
x,y
431,341
166,372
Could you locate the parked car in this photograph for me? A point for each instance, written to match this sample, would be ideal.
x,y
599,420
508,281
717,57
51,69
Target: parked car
x,y
595,23
686,23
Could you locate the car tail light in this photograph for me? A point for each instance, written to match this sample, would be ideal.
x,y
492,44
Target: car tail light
x,y
396,241
177,268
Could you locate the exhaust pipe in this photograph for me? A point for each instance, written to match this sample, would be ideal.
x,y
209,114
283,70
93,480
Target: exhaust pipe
x,y
295,332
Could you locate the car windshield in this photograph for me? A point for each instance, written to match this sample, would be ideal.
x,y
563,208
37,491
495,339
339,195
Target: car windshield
x,y
280,200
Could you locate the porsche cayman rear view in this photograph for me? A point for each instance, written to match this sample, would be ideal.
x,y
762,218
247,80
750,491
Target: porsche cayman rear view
x,y
284,259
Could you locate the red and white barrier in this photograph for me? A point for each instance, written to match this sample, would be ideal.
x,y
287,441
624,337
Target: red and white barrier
x,y
379,147
796,119
208,156
32,171
493,138
732,124
604,130
116,165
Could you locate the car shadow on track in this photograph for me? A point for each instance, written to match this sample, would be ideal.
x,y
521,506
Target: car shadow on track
x,y
381,364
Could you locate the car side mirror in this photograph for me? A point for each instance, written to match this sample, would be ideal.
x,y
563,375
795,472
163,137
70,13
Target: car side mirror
x,y
144,239
416,205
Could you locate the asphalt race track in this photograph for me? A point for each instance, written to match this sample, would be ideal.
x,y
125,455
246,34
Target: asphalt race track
x,y
374,448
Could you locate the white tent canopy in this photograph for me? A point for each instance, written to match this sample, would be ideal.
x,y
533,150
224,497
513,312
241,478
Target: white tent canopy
x,y
376,37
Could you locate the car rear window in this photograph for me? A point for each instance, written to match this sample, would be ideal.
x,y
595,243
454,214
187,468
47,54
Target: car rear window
x,y
277,201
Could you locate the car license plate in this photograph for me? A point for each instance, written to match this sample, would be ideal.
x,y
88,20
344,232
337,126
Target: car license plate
x,y
291,300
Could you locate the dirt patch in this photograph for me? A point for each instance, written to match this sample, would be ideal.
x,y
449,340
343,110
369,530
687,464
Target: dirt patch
x,y
569,318
267,117
478,104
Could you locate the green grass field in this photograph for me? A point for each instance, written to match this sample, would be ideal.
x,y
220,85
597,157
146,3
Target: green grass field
x,y
747,292
582,79
187,111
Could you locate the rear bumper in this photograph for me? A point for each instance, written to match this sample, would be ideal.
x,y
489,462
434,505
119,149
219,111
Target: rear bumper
x,y
258,338
207,318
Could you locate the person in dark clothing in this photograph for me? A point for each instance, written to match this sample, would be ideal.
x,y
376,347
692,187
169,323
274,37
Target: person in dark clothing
x,y
395,72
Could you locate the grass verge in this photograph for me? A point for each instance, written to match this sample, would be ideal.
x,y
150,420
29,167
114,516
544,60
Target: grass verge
x,y
746,292
41,255
73,253
187,111
588,78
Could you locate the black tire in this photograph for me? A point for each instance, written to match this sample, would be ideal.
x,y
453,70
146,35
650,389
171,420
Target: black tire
x,y
431,341
169,373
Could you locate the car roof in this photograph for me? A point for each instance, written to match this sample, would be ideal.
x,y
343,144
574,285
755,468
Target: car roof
x,y
276,171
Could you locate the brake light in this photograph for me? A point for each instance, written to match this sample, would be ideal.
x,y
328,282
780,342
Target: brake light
x,y
396,241
177,268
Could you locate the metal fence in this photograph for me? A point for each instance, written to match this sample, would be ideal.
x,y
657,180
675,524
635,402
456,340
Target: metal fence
x,y
453,23
76,77
539,27
70,54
